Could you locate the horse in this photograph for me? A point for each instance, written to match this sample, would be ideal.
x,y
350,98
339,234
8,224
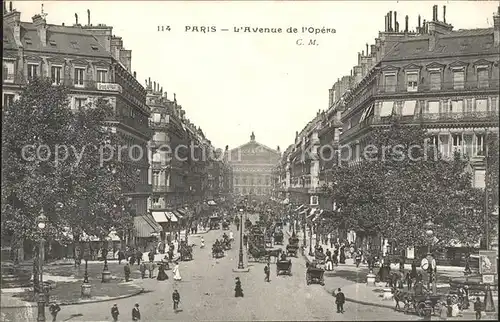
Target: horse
x,y
401,296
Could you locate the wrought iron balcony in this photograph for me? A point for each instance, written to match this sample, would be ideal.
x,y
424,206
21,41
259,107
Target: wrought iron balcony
x,y
491,84
162,188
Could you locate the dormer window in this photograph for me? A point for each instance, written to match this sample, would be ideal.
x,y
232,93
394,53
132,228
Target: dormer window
x,y
52,43
482,77
412,81
458,78
390,82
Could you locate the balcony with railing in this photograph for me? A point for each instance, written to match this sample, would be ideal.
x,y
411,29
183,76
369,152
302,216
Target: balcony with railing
x,y
131,122
161,165
162,188
160,125
444,87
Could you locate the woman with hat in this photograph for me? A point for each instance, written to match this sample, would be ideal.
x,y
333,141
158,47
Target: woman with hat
x,y
176,272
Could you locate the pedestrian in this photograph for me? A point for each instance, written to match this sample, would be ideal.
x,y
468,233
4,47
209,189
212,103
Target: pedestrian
x,y
408,280
238,291
151,269
151,256
138,256
176,272
121,256
176,298
340,300
267,271
142,269
54,308
443,312
478,307
342,254
136,314
115,312
126,270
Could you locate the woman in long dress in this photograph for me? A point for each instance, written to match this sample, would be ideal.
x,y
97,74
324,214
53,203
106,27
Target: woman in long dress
x,y
175,271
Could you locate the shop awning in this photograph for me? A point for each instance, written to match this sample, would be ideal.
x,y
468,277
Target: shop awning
x,y
160,216
299,207
171,216
179,213
318,214
211,203
303,211
312,213
145,226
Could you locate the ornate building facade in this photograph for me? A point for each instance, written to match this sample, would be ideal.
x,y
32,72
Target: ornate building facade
x,y
252,165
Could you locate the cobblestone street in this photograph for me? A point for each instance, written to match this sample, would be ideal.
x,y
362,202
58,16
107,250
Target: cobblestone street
x,y
207,293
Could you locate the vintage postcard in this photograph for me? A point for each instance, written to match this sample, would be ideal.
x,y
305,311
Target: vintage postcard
x,y
250,160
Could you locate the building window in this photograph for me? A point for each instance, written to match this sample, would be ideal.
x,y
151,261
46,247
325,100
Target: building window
x,y
156,200
79,72
479,145
435,78
156,179
8,99
481,105
55,74
434,141
482,77
8,71
468,146
32,71
412,82
80,102
408,108
457,106
433,107
386,109
457,142
102,76
390,83
458,79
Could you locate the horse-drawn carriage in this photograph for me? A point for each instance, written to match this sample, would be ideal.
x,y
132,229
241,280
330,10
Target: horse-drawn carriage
x,y
417,302
217,251
278,237
315,275
186,252
284,267
214,222
293,246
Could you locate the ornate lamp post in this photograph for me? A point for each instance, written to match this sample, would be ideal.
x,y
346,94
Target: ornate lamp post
x,y
430,258
241,264
311,239
106,274
86,287
41,223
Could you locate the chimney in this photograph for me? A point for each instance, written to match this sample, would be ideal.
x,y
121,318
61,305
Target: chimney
x,y
41,28
435,13
366,49
373,49
161,90
76,18
135,75
406,23
419,25
390,20
13,19
88,17
154,86
10,6
278,148
385,23
424,28
444,14
62,24
496,28
396,29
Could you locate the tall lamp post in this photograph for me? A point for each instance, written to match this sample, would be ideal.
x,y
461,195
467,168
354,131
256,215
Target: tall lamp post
x,y
311,239
41,222
241,264
432,269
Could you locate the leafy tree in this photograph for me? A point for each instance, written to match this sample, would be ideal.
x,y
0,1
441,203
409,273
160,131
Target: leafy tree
x,y
52,155
401,183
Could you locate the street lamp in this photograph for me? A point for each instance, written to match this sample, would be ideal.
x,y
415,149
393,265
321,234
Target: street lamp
x,y
41,223
432,270
106,274
86,287
311,239
240,257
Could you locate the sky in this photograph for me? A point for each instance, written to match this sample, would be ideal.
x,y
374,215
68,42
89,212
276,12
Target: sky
x,y
231,84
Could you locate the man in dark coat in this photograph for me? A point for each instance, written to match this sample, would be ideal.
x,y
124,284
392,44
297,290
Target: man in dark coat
x,y
126,270
115,312
340,300
136,314
176,298
238,291
267,271
138,256
54,308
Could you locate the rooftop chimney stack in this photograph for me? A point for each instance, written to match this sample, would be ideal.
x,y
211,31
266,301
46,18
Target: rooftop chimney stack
x,y
135,75
419,25
406,23
40,24
390,21
444,14
496,28
10,7
76,18
386,24
366,49
424,28
88,17
396,22
154,86
435,13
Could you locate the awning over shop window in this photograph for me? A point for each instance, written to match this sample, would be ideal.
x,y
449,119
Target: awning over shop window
x,y
112,236
318,214
303,211
160,216
178,213
145,226
171,217
312,213
299,207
